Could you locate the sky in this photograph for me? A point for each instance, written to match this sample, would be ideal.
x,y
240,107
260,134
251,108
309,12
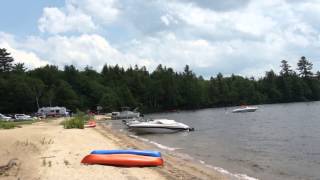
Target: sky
x,y
241,37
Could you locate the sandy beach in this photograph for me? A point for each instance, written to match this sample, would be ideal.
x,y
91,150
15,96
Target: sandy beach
x,y
44,150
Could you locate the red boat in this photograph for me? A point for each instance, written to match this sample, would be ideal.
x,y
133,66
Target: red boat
x,y
128,160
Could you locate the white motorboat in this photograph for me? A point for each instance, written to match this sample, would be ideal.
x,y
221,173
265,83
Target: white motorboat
x,y
125,114
134,120
245,109
158,126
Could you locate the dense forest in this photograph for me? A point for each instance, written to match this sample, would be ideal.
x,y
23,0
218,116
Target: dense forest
x,y
23,90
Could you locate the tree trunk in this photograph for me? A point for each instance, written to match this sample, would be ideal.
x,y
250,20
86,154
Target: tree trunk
x,y
37,101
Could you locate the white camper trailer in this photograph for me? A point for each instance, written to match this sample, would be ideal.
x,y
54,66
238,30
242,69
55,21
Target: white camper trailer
x,y
53,111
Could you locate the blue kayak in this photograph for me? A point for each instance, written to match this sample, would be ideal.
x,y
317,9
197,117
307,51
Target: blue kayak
x,y
129,151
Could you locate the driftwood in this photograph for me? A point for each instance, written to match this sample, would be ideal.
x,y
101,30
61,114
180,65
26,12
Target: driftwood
x,y
9,165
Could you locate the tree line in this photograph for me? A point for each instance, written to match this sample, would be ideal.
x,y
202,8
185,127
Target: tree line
x,y
23,90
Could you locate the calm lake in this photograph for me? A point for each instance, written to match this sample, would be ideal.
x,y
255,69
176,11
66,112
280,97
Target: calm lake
x,y
280,141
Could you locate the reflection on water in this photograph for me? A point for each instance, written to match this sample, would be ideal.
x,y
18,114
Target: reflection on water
x,y
279,141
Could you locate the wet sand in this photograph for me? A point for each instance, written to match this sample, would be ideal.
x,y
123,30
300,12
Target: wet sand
x,y
45,150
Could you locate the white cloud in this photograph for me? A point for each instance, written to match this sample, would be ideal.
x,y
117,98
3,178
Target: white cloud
x,y
77,16
241,37
30,59
105,11
209,58
81,51
55,21
248,20
84,50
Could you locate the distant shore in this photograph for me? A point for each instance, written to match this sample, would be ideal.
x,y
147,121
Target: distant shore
x,y
45,150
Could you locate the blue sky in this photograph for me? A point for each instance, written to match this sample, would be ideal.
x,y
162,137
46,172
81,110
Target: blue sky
x,y
243,37
21,17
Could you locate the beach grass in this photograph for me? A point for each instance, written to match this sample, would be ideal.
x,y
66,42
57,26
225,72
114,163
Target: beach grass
x,y
11,125
76,122
7,125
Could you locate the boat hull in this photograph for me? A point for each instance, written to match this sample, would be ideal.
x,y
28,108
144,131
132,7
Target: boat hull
x,y
128,160
246,109
129,151
157,130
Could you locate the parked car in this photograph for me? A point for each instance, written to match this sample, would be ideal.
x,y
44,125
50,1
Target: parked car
x,y
40,115
5,118
22,117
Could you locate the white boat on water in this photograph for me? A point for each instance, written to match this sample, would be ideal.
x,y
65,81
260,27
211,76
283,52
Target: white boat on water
x,y
245,109
158,126
125,114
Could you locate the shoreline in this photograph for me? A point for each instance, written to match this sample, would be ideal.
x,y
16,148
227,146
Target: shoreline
x,y
191,168
174,167
44,150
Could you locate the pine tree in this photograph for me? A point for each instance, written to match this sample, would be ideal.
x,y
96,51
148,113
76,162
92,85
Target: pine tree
x,y
304,67
5,60
318,75
285,68
19,68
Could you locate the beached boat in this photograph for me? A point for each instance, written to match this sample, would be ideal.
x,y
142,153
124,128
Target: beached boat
x,y
128,160
129,151
245,109
158,126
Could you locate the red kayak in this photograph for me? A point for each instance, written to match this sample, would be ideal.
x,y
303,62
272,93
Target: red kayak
x,y
128,160
90,125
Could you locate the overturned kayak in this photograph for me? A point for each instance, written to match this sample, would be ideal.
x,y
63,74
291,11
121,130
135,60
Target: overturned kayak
x,y
129,151
128,160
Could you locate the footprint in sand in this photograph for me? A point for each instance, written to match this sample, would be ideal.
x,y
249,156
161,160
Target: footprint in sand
x,y
132,178
124,172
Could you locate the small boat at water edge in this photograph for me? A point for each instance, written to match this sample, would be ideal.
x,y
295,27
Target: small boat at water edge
x,y
158,126
129,151
125,114
245,109
127,160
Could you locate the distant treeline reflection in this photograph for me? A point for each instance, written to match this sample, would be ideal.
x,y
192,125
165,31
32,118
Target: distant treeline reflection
x,y
23,90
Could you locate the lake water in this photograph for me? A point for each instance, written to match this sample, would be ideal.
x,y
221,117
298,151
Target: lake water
x,y
280,141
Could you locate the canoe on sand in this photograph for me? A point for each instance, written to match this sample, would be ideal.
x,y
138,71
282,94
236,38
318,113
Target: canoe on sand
x,y
128,160
129,151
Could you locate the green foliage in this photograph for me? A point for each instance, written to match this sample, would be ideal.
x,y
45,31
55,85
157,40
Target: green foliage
x,y
5,61
24,90
304,67
19,68
64,94
76,122
285,68
73,123
11,125
7,125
